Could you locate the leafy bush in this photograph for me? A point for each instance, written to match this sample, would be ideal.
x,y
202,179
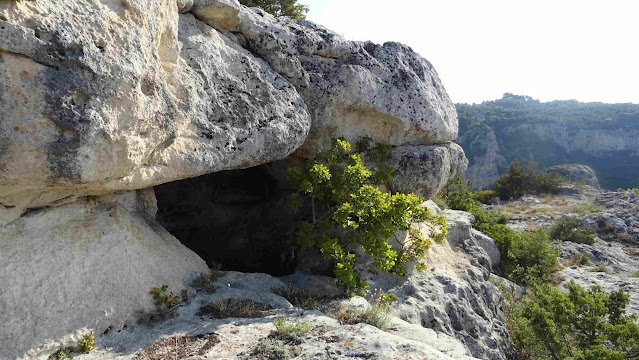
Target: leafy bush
x,y
634,191
526,258
291,332
485,196
288,8
236,308
520,180
348,212
569,228
581,325
86,344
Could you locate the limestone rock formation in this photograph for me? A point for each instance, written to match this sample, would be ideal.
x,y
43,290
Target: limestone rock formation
x,y
352,89
456,296
90,264
99,99
577,173
158,97
425,170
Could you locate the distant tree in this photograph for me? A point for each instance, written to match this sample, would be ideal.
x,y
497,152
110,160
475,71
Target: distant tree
x,y
526,179
288,8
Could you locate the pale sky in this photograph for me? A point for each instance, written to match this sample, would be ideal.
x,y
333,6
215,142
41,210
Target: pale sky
x,y
550,50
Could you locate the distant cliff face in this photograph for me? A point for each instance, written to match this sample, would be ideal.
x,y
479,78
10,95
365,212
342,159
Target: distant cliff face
x,y
602,136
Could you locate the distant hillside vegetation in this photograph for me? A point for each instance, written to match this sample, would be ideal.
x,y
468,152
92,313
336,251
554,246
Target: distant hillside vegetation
x,y
602,136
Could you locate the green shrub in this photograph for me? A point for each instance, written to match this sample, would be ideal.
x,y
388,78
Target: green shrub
x,y
236,308
520,180
288,8
347,211
569,228
61,354
581,325
526,257
634,191
291,332
86,344
485,196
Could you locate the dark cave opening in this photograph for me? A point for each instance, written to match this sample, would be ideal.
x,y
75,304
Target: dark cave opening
x,y
237,219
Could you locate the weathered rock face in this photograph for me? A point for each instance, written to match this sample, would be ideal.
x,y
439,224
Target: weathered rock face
x,y
351,88
456,296
425,170
159,97
487,163
620,221
163,96
576,172
88,264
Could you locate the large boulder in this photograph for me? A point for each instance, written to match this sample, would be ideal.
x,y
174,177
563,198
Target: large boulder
x,y
157,97
86,266
425,170
578,173
352,89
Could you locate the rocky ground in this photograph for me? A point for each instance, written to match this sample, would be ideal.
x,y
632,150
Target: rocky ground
x,y
453,311
613,260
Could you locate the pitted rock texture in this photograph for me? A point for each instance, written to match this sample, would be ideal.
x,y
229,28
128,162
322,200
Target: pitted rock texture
x,y
612,266
163,96
425,170
456,296
86,266
157,97
577,173
620,220
351,88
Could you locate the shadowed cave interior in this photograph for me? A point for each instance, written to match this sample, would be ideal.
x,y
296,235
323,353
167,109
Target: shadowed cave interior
x,y
237,219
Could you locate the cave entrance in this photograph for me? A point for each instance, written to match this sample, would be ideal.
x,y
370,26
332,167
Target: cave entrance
x,y
237,219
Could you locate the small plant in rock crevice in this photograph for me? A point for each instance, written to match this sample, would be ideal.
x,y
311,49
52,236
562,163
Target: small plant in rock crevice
x,y
270,349
291,332
165,306
376,315
160,296
87,343
61,354
347,212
